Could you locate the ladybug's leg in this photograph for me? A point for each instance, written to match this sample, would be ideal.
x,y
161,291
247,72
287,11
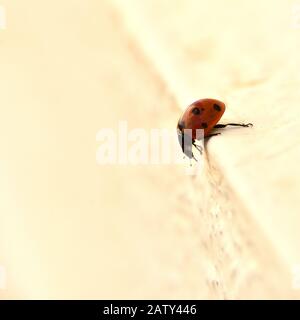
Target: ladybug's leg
x,y
199,148
212,134
217,126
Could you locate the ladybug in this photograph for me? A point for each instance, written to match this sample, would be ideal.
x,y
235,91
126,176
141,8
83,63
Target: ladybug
x,y
201,114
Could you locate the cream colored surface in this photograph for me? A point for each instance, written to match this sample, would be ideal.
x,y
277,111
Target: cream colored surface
x,y
70,228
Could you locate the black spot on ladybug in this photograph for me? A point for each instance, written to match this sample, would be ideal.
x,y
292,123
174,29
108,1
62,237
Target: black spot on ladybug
x,y
217,107
204,125
196,111
181,125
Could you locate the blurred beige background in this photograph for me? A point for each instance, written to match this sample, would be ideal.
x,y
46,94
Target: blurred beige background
x,y
70,228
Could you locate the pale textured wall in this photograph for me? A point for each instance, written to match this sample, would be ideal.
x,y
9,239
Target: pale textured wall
x,y
72,229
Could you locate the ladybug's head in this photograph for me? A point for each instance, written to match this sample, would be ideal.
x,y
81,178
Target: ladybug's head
x,y
185,140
